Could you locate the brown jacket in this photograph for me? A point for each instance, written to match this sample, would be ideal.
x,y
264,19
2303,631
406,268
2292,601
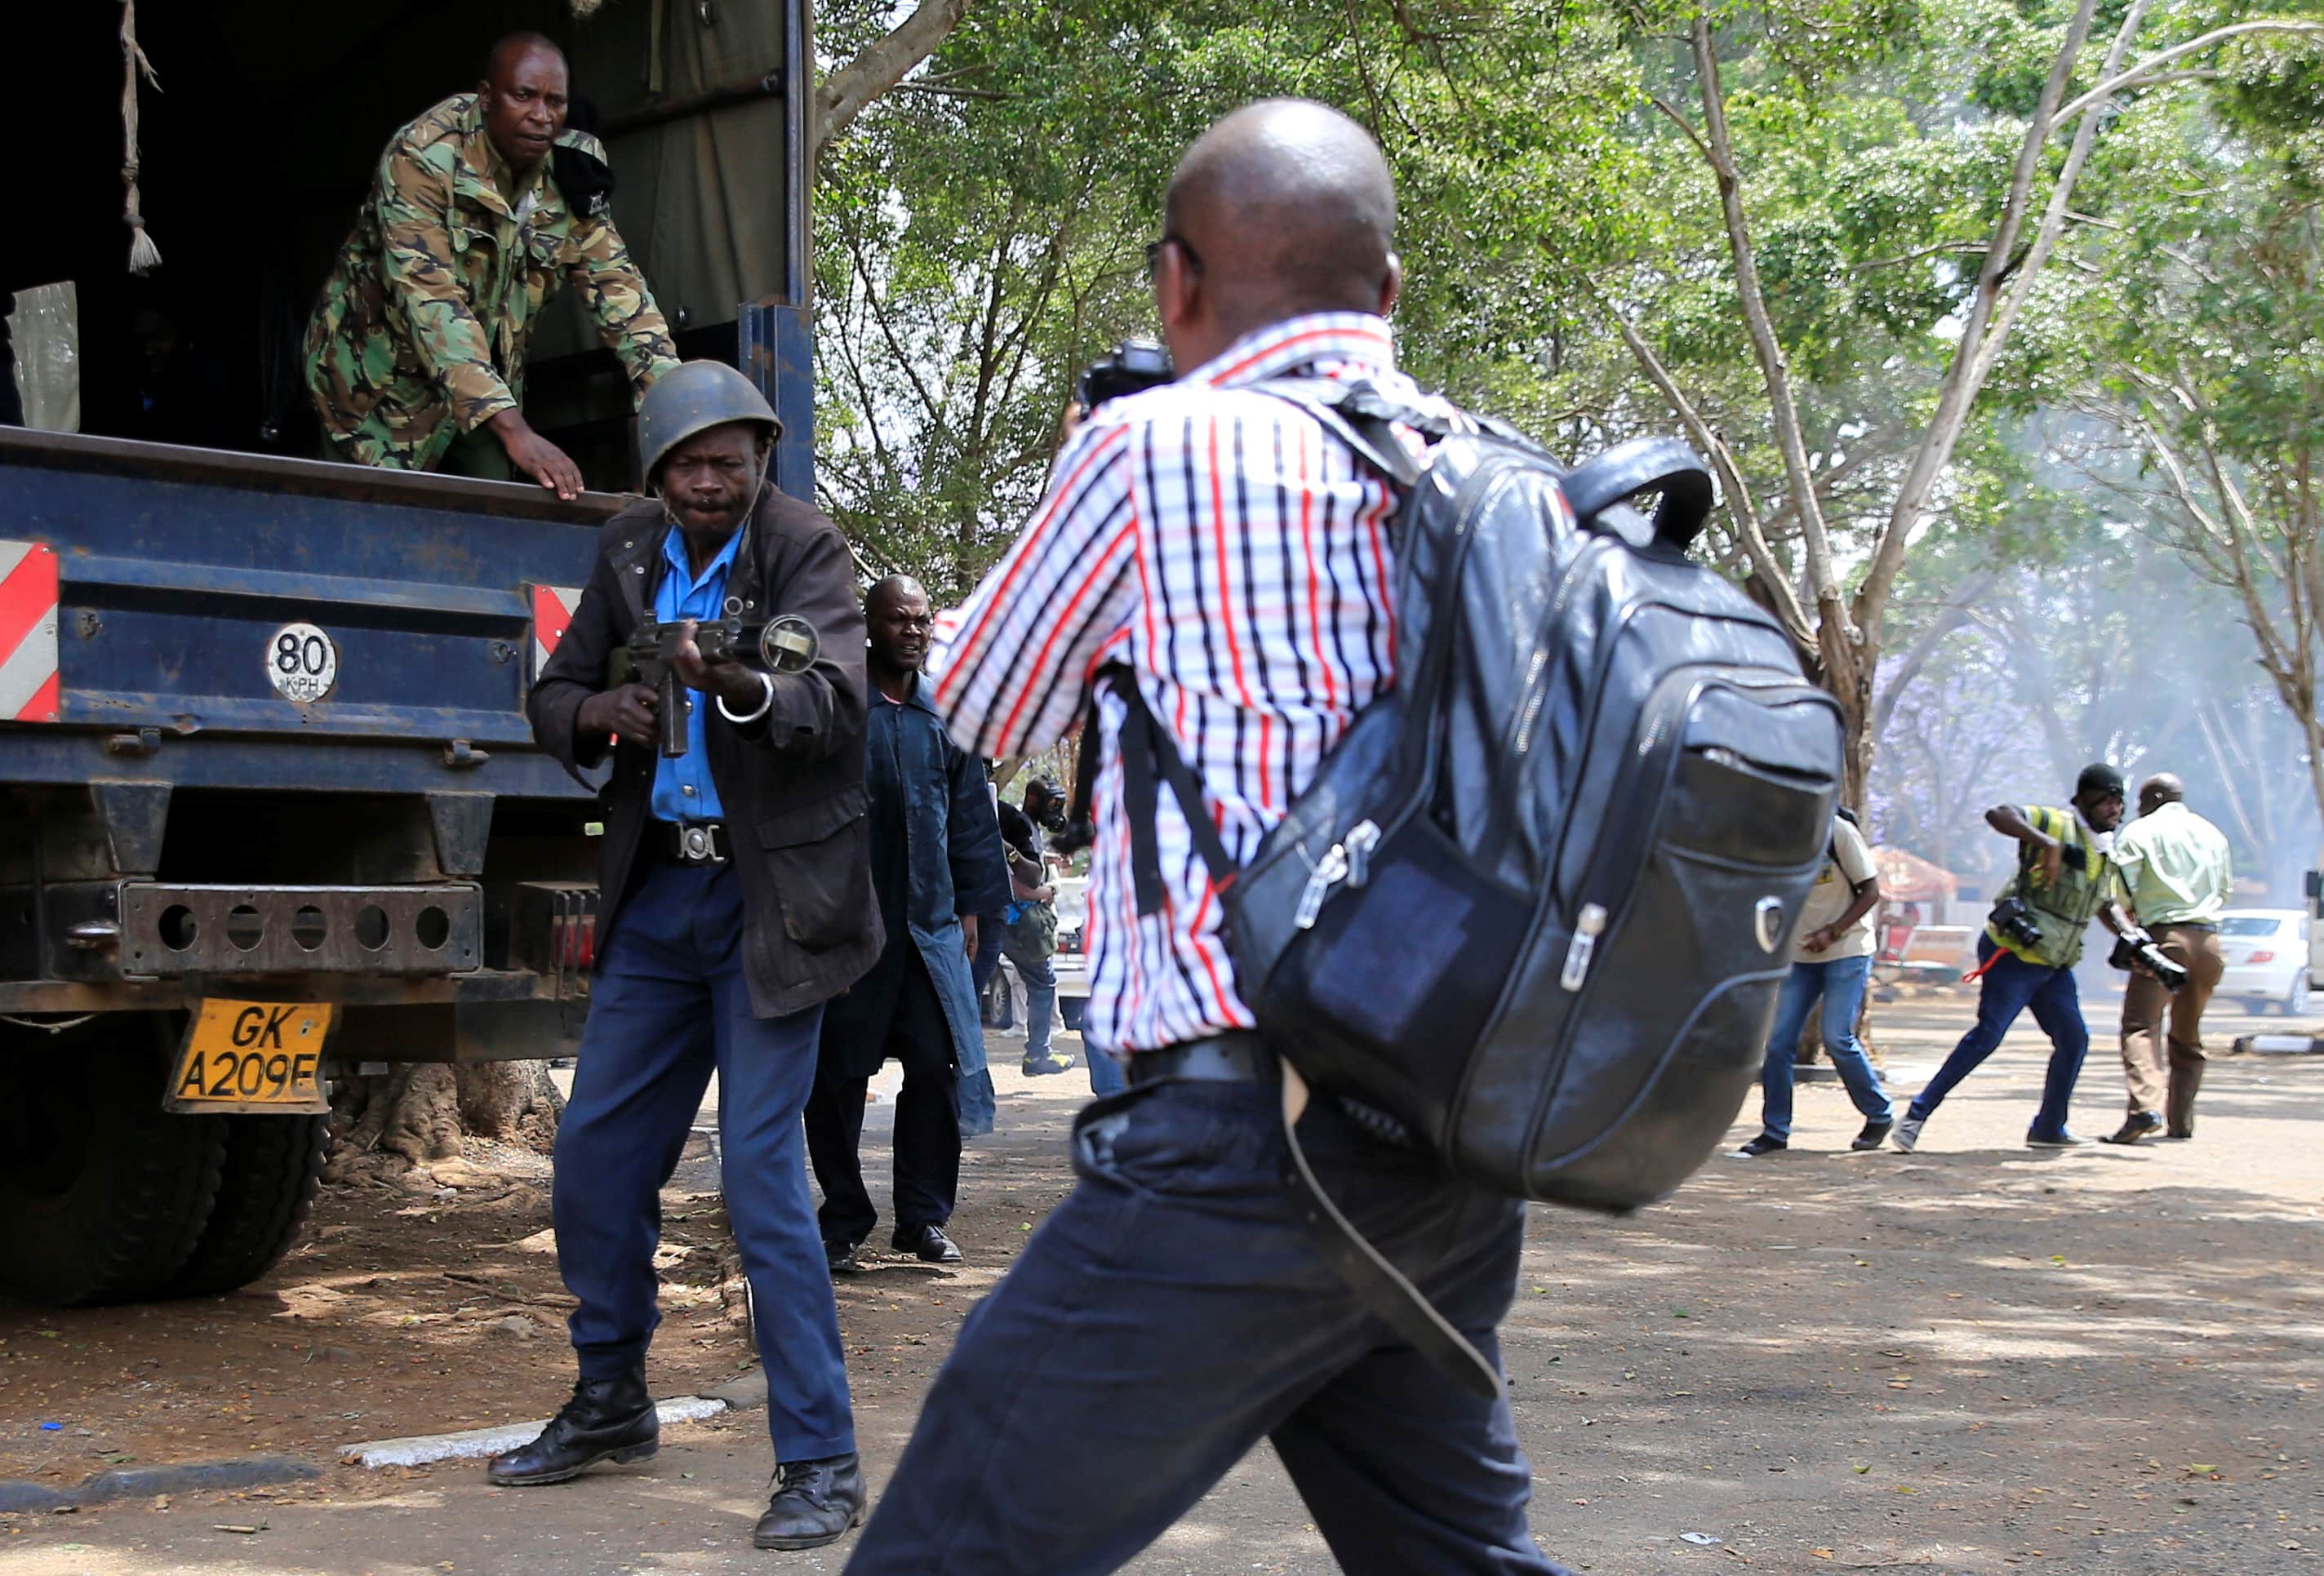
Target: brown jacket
x,y
791,784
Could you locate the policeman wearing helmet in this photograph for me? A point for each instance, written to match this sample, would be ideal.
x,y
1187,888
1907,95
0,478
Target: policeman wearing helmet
x,y
735,901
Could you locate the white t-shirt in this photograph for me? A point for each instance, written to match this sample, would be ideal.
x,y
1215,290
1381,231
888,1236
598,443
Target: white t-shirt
x,y
1846,861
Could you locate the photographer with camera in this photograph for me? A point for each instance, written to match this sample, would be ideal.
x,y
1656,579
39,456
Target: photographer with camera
x,y
2175,865
2066,874
1029,938
1224,545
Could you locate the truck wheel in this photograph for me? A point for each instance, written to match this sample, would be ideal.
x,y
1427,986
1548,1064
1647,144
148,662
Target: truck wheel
x,y
272,1165
103,1195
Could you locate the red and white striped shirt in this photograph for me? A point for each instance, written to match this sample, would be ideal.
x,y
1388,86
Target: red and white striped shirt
x,y
1236,557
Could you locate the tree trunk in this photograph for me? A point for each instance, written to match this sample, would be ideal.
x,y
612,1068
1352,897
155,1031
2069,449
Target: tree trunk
x,y
419,1114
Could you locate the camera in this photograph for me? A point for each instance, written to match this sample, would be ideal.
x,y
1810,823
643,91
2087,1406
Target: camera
x,y
1073,836
2137,950
1130,367
2014,918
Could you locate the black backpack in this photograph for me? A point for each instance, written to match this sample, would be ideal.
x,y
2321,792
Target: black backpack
x,y
1534,906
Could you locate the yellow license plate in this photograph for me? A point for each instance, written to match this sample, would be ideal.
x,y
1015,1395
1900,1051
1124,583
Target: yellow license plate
x,y
253,1057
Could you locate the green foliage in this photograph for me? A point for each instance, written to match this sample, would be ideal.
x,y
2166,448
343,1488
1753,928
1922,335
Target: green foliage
x,y
980,234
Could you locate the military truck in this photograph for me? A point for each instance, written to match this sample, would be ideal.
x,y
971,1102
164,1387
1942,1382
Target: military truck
x,y
269,811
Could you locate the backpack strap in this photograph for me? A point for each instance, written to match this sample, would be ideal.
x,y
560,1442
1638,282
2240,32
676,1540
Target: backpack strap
x,y
1147,749
1360,417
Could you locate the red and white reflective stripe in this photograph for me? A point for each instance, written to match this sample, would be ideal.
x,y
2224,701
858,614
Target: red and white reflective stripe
x,y
29,691
552,612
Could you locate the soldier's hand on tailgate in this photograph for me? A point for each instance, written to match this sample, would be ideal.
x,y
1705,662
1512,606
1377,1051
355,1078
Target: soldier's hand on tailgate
x,y
627,710
535,456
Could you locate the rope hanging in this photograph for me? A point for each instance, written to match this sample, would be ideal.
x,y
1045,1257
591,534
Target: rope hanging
x,y
144,256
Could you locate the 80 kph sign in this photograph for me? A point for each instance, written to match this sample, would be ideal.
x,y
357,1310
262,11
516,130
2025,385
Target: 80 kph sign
x,y
253,1057
302,663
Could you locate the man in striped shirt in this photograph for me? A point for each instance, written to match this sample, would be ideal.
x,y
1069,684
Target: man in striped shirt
x,y
1218,542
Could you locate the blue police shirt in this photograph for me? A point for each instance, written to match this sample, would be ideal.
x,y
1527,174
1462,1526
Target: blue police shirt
x,y
683,790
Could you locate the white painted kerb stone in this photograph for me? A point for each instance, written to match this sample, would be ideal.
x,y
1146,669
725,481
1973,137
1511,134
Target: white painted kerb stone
x,y
475,1444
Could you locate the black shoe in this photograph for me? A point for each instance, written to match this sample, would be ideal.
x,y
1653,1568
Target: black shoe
x,y
842,1258
2139,1124
1875,1134
607,1419
1041,1066
929,1244
1762,1144
814,1503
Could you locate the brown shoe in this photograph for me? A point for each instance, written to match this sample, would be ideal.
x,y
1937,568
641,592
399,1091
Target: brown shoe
x,y
2139,1124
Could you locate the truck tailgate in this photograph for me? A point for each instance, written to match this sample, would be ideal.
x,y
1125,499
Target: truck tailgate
x,y
212,596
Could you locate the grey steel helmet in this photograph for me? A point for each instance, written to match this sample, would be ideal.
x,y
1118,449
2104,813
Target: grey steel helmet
x,y
693,397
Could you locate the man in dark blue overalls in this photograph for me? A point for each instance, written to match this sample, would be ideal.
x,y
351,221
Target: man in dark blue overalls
x,y
736,901
936,865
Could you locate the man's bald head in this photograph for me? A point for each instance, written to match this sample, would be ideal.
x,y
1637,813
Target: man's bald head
x,y
511,51
887,591
1286,207
2163,788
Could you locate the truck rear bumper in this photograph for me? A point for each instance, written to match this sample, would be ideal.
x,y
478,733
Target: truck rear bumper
x,y
168,929
485,985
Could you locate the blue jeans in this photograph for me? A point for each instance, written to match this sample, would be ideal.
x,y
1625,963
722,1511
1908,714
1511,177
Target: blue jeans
x,y
1840,983
1172,1313
2009,988
1105,1074
1040,996
669,1003
990,929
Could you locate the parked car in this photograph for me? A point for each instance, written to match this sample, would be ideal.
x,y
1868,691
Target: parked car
x,y
2266,955
1072,962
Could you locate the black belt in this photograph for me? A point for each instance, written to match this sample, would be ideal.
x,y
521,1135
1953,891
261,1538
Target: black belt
x,y
692,842
2185,925
1223,1058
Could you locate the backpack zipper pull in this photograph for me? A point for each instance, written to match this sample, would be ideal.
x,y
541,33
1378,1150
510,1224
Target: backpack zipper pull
x,y
1327,873
1586,930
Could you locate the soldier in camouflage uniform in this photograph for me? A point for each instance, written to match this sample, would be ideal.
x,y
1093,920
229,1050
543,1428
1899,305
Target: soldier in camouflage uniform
x,y
416,353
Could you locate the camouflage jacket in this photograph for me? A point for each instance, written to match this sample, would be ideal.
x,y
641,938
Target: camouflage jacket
x,y
421,330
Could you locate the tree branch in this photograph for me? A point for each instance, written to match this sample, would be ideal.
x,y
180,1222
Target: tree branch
x,y
2115,82
1837,639
1954,613
1788,611
1680,121
883,64
1959,387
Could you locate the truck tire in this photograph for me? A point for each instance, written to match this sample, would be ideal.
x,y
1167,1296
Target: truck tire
x,y
103,1193
272,1163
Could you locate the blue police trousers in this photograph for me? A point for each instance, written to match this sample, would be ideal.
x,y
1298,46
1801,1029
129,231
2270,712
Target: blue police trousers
x,y
668,1004
1172,1313
2012,986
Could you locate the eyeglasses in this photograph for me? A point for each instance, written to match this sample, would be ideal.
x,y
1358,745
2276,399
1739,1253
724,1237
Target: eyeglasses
x,y
1154,253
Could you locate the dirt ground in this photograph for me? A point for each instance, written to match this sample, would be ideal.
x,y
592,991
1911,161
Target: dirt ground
x,y
1976,1358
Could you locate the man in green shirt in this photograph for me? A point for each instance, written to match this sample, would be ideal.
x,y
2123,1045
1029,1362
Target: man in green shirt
x,y
2065,876
416,352
2175,865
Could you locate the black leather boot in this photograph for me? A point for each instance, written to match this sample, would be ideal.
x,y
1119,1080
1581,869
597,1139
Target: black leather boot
x,y
814,1503
607,1419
